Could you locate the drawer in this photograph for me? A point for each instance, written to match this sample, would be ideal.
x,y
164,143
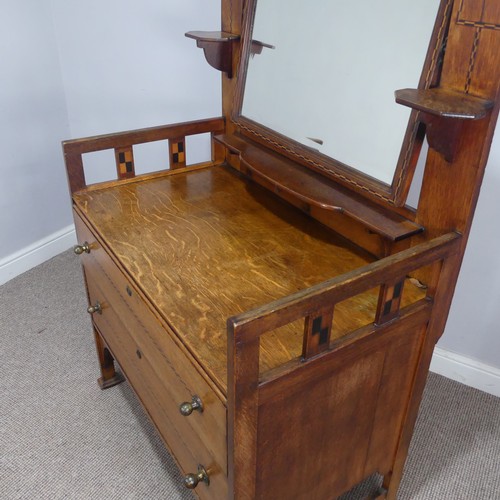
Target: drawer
x,y
160,372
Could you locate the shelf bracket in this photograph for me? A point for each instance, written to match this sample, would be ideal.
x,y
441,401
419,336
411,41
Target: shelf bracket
x,y
218,48
444,112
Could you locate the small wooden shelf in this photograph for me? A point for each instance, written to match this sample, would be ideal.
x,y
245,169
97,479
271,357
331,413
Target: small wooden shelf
x,y
217,47
444,103
444,112
285,176
257,46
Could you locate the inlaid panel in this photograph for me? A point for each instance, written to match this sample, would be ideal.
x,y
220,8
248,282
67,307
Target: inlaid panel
x,y
177,152
479,14
125,162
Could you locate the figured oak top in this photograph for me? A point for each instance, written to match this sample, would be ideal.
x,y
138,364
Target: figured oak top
x,y
205,245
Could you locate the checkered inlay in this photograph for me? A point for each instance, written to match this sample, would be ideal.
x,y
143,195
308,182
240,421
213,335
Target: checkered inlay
x,y
393,298
177,153
390,302
317,330
125,162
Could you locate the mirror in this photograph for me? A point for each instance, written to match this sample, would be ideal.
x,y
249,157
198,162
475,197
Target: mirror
x,y
323,74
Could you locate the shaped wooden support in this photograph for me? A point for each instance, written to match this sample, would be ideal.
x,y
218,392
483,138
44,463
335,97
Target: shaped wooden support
x,y
217,47
443,112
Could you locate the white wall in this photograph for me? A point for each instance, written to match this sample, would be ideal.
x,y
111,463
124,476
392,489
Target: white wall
x,y
127,64
34,201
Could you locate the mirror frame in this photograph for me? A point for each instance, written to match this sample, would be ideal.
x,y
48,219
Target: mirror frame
x,y
394,194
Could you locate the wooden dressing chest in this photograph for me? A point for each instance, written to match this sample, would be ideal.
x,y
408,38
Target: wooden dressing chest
x,y
275,310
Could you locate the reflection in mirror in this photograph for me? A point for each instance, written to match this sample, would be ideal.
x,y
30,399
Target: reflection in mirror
x,y
327,73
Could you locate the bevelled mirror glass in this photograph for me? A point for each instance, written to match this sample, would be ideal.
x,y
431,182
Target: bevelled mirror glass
x,y
323,74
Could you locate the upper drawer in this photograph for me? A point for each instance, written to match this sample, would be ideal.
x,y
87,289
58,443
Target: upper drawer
x,y
179,378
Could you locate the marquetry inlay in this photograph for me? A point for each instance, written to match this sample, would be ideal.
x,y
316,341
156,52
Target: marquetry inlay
x,y
125,162
177,153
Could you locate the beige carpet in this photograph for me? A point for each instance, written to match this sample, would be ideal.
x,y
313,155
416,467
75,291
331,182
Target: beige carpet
x,y
63,438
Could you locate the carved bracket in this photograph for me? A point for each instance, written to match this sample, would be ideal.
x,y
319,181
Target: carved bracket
x,y
217,47
443,112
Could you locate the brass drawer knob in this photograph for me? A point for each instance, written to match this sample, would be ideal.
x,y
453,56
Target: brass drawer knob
x,y
191,481
97,308
187,408
79,249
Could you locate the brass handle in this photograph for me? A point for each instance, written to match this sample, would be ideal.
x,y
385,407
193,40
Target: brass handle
x,y
79,249
191,481
187,408
97,308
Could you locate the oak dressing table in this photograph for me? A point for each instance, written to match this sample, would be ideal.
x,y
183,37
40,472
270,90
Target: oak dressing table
x,y
275,309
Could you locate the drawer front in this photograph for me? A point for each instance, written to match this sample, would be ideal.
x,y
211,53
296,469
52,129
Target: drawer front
x,y
161,374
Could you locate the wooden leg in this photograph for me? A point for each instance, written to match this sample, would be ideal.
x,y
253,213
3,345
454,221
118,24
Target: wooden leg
x,y
380,494
109,376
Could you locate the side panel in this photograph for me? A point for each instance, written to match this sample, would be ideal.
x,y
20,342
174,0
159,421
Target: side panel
x,y
325,435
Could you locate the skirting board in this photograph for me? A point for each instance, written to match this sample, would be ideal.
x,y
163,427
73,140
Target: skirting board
x,y
455,366
466,370
36,253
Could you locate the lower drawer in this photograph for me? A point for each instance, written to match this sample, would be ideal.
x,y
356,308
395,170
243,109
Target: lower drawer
x,y
160,374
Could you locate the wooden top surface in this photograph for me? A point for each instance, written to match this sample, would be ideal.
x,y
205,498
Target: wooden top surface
x,y
205,245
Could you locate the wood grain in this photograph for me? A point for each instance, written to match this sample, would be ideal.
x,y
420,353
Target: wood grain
x,y
204,246
334,412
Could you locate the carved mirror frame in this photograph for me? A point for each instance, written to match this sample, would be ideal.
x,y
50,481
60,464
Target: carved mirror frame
x,y
394,194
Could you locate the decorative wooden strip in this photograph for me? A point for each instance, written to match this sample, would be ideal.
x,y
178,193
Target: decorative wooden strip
x,y
317,332
125,162
141,136
177,152
389,301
